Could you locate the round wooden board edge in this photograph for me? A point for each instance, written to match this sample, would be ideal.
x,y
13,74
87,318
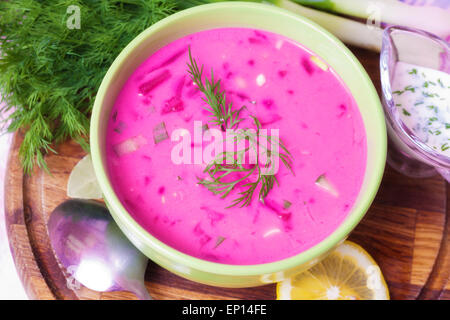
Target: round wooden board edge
x,y
25,261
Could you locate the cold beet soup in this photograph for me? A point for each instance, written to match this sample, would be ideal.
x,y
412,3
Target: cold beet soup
x,y
228,208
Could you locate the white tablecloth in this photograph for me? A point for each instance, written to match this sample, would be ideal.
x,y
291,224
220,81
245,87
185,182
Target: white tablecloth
x,y
10,285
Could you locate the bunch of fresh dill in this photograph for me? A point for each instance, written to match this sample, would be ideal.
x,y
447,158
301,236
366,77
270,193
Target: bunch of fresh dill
x,y
50,73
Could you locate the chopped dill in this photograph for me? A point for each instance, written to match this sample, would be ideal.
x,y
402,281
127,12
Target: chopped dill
x,y
406,113
429,95
410,88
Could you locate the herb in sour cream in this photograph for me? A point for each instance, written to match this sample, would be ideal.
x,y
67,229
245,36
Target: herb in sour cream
x,y
422,96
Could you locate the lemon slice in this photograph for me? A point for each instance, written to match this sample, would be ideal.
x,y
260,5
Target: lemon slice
x,y
82,181
348,273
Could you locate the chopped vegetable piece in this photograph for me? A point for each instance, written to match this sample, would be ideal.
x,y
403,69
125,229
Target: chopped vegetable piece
x,y
287,204
155,82
170,60
160,133
205,128
129,145
219,241
325,184
120,127
271,232
174,104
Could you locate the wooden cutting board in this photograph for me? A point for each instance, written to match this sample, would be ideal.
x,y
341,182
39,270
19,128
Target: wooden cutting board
x,y
406,230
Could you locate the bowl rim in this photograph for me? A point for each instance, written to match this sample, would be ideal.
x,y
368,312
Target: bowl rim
x,y
130,226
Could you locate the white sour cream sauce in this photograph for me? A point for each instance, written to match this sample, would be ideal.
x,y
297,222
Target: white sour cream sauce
x,y
422,96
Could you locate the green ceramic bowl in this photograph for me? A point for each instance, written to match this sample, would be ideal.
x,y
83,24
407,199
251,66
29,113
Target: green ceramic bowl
x,y
256,16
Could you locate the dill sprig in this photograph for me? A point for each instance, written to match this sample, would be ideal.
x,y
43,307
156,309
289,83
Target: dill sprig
x,y
49,74
227,171
222,112
224,177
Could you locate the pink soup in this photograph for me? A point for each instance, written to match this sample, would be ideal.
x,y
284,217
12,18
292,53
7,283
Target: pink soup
x,y
282,84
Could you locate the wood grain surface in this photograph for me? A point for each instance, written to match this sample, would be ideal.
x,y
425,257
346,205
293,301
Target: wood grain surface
x,y
406,231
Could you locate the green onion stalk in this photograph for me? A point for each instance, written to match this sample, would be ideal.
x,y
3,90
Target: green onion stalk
x,y
365,35
427,18
349,31
354,33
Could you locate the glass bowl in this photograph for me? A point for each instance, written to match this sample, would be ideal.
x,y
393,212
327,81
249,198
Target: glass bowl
x,y
407,153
